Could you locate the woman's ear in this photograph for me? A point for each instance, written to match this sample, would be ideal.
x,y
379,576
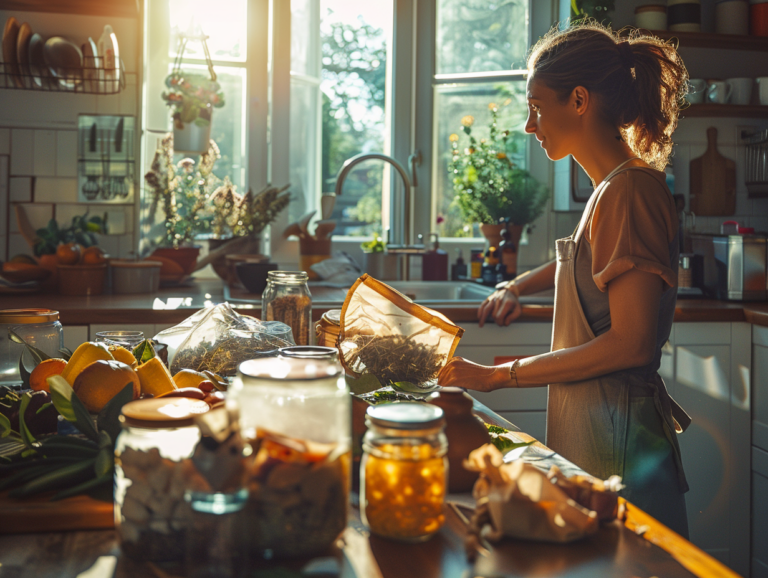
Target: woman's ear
x,y
580,99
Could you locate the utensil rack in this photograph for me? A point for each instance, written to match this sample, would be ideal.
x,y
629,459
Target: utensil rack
x,y
106,160
756,169
86,79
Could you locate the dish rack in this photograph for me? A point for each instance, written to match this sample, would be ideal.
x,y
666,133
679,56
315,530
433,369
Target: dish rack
x,y
756,169
86,79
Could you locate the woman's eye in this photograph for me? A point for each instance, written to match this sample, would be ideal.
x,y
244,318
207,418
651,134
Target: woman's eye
x,y
534,108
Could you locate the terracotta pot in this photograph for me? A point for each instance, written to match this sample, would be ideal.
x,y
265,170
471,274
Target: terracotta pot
x,y
313,251
492,234
224,266
49,262
514,232
186,257
465,433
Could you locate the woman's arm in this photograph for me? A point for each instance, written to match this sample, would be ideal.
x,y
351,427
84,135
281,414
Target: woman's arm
x,y
634,300
503,306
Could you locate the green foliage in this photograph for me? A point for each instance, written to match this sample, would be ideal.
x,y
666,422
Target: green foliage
x,y
192,97
489,187
82,230
375,245
597,9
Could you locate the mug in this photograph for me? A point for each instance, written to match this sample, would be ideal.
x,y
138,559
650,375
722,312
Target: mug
x,y
758,19
684,15
696,89
718,92
741,90
732,17
762,83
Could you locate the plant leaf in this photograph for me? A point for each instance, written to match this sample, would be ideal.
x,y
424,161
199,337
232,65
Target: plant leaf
x,y
108,420
366,383
43,407
105,461
144,351
26,435
37,355
23,372
408,387
5,426
66,354
70,407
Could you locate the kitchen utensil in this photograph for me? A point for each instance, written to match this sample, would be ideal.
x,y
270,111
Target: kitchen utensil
x,y
10,37
91,65
82,279
64,60
718,92
696,89
741,90
294,229
22,52
304,222
684,15
712,181
37,66
119,135
324,229
91,187
756,166
732,17
327,201
651,17
119,188
253,275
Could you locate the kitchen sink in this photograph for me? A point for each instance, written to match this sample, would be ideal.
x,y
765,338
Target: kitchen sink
x,y
442,291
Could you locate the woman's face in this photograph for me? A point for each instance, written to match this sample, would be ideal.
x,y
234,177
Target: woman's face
x,y
557,125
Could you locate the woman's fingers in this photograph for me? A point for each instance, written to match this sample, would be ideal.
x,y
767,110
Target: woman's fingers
x,y
516,311
486,308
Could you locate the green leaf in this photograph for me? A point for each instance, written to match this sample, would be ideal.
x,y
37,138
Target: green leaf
x,y
105,461
504,444
43,407
26,435
66,354
36,354
144,351
5,426
364,384
108,420
23,372
106,479
409,387
70,407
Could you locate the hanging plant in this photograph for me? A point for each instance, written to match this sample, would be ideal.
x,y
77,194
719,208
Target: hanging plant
x,y
192,98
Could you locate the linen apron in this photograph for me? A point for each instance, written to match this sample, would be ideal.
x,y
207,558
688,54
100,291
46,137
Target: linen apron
x,y
622,423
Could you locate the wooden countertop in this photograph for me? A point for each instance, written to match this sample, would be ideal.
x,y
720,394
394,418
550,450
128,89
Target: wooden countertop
x,y
173,305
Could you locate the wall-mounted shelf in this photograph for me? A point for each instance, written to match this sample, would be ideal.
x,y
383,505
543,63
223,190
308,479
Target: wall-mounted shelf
x,y
87,79
725,110
711,40
122,8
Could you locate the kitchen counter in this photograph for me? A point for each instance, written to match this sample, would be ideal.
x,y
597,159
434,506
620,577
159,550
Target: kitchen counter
x,y
172,305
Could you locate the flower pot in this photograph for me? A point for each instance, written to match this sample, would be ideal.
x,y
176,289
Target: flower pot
x,y
134,276
313,251
492,234
224,266
185,257
192,138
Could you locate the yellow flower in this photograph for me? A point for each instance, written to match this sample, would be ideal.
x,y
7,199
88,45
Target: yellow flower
x,y
468,120
507,102
453,138
501,156
491,105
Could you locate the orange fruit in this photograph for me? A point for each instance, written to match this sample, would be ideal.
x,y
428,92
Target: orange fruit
x,y
43,371
68,253
101,381
93,256
83,356
120,353
155,377
188,378
168,268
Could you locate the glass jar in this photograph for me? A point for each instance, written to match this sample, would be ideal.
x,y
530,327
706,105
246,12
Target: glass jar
x,y
310,352
328,328
404,470
153,472
295,417
127,339
38,327
287,299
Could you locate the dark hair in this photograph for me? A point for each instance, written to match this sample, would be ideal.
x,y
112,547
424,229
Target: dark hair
x,y
639,81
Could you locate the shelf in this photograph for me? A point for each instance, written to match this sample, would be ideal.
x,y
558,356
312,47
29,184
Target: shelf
x,y
725,110
711,40
121,8
86,79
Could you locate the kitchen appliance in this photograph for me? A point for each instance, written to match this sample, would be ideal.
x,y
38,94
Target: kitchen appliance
x,y
731,267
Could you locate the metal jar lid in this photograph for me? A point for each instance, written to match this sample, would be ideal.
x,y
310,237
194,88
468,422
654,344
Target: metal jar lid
x,y
406,415
310,352
28,316
288,369
333,317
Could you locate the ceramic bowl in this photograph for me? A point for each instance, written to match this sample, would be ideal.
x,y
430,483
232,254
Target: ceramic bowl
x,y
253,276
64,59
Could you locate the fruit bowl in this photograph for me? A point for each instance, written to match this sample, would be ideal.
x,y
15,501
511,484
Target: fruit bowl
x,y
24,272
82,279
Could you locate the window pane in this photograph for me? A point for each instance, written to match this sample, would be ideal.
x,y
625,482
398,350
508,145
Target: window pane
x,y
454,102
303,143
481,35
355,40
225,24
304,32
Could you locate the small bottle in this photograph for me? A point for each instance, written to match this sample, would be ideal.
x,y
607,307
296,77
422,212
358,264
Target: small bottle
x,y
477,263
489,267
459,268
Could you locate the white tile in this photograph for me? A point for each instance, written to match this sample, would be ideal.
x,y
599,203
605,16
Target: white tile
x,y
38,215
5,141
681,169
66,212
116,221
110,245
128,100
45,153
127,246
18,246
21,189
22,151
108,104
55,190
66,153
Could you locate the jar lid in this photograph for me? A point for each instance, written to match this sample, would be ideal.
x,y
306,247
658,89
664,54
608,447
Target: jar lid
x,y
333,316
405,415
28,316
289,369
310,352
162,412
288,277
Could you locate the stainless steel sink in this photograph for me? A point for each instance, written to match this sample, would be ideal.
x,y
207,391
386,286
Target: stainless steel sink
x,y
426,292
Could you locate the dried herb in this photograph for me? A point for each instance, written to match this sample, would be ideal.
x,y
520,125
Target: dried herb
x,y
396,358
227,354
296,312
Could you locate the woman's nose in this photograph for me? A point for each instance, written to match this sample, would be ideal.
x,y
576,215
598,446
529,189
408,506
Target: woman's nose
x,y
530,123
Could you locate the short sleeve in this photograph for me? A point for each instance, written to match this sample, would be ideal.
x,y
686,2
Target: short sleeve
x,y
632,225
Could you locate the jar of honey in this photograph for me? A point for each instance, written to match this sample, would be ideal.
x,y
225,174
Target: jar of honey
x,y
404,470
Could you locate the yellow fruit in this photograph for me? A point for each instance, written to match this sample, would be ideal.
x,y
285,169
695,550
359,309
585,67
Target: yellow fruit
x,y
44,370
155,377
188,378
83,356
23,259
102,380
120,353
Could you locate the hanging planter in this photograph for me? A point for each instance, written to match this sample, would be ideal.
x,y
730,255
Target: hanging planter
x,y
192,97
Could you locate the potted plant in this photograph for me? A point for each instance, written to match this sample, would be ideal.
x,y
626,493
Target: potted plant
x,y
490,189
192,98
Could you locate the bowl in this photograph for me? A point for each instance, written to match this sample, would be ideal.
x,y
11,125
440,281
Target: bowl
x,y
64,59
253,276
82,279
135,276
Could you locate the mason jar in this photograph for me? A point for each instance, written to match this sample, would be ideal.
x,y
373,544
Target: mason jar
x,y
295,419
38,327
404,471
287,299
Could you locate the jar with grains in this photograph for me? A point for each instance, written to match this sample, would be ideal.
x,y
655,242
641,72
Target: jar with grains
x,y
327,329
295,417
287,299
153,471
38,327
404,471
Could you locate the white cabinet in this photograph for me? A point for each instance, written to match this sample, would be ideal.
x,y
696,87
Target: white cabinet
x,y
712,383
759,452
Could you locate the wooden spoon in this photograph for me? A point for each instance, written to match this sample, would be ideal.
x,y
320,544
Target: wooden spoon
x,y
327,201
292,229
324,229
304,222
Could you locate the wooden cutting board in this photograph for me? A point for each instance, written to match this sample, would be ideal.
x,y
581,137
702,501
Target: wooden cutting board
x,y
41,515
713,181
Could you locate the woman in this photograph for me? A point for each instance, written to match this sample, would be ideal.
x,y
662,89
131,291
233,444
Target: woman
x,y
613,104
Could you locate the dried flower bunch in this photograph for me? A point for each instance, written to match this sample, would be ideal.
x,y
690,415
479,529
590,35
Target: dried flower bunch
x,y
224,356
246,215
489,187
396,359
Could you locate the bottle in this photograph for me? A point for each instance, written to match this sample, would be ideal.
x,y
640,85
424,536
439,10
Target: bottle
x,y
434,265
476,263
459,268
109,56
489,267
507,257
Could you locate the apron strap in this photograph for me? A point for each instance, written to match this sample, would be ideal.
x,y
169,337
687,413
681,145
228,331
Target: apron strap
x,y
674,420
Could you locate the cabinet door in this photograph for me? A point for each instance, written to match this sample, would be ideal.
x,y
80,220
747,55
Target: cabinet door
x,y
760,514
760,396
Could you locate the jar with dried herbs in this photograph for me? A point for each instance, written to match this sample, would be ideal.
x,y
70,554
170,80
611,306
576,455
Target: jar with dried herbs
x,y
287,299
404,470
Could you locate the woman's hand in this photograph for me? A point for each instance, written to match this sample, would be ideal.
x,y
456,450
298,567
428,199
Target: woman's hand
x,y
502,306
459,372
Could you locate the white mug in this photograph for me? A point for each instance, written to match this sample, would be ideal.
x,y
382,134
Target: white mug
x,y
741,90
762,83
696,89
718,92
